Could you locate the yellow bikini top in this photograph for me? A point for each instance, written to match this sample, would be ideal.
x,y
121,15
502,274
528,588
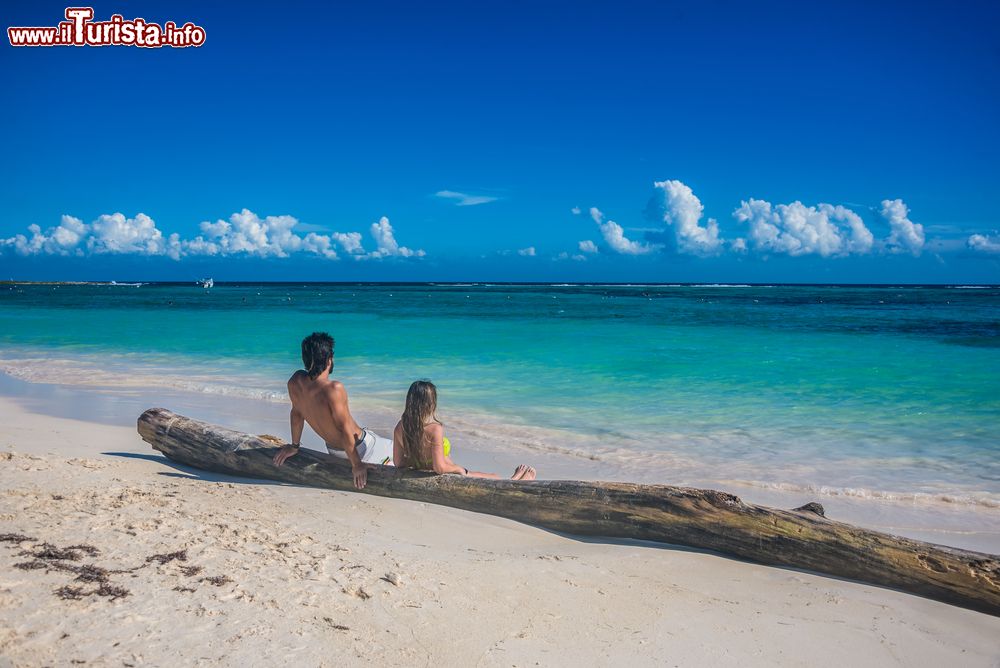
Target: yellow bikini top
x,y
446,446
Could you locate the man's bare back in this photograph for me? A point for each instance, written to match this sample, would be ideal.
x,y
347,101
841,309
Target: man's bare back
x,y
322,403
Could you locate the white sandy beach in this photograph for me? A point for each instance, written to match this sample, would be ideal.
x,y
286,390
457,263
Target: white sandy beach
x,y
268,574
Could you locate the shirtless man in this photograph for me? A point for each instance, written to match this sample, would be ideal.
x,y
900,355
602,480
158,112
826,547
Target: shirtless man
x,y
322,403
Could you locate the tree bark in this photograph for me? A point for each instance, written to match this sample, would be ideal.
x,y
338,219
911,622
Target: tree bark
x,y
704,519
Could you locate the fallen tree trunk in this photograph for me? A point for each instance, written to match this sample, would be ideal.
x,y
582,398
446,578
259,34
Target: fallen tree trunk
x,y
801,538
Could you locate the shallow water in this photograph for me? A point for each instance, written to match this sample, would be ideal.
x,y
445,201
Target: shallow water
x,y
854,392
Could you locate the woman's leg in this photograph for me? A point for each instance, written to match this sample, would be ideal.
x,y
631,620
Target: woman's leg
x,y
480,474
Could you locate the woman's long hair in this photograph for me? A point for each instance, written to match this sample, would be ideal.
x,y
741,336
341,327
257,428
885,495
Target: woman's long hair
x,y
421,402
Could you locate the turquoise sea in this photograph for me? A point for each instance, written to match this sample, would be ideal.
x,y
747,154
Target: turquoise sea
x,y
857,391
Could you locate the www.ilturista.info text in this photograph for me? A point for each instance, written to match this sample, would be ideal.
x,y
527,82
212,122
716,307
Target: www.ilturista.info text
x,y
79,29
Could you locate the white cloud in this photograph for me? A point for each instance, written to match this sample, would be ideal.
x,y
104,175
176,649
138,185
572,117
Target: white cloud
x,y
110,233
793,229
63,239
115,233
615,236
200,246
247,233
320,244
464,199
861,239
796,229
575,211
68,234
174,247
906,236
349,241
274,236
244,233
984,244
386,244
22,245
683,211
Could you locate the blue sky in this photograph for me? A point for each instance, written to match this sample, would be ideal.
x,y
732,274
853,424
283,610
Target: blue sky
x,y
830,143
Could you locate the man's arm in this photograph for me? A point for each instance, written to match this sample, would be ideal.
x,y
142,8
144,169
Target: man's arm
x,y
358,467
297,422
342,418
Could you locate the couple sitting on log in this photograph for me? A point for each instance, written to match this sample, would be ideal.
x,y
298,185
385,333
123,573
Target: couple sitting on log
x,y
418,440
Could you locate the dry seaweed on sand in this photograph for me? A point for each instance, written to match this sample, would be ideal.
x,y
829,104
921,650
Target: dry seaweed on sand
x,y
111,591
70,593
85,573
34,565
191,570
38,564
14,538
89,549
90,573
50,552
217,580
179,555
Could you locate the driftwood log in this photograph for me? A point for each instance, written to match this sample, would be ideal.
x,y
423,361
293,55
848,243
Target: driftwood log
x,y
705,519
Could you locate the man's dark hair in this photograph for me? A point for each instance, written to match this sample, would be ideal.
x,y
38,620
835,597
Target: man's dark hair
x,y
317,352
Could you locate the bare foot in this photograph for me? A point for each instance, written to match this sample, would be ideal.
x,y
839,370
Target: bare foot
x,y
523,472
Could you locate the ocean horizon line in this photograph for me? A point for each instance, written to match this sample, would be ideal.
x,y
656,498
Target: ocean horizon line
x,y
470,283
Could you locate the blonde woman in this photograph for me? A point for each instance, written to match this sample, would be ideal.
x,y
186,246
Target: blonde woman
x,y
418,442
